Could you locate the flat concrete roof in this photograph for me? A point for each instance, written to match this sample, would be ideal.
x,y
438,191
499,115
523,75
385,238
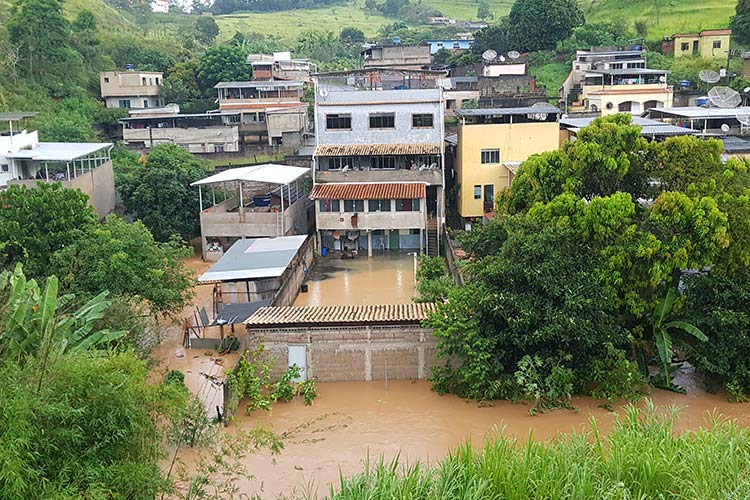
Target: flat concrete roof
x,y
59,151
254,258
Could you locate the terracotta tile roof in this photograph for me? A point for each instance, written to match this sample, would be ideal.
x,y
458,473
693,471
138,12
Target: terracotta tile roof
x,y
368,191
716,32
268,317
378,149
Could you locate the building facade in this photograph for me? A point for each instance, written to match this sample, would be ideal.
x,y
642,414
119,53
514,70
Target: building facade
x,y
131,89
627,90
378,169
491,145
270,112
449,44
709,44
397,56
198,133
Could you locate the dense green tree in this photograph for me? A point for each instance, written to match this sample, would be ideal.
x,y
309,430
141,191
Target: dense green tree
x,y
493,37
181,84
221,63
84,36
540,24
39,28
740,22
484,10
352,36
36,223
207,29
124,259
159,194
441,56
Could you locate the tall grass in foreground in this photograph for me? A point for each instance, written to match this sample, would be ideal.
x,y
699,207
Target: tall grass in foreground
x,y
640,459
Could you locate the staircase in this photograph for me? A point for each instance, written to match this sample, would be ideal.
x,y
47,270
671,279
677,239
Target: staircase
x,y
432,238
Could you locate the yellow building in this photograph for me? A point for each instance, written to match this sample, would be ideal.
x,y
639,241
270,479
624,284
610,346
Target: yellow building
x,y
711,44
634,90
491,144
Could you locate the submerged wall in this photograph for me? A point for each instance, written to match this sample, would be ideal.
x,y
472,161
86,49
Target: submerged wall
x,y
357,353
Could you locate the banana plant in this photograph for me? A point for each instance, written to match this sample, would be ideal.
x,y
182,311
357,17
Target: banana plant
x,y
33,326
662,337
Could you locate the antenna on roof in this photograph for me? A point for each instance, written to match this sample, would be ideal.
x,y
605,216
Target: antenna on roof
x,y
743,116
539,116
709,76
514,54
724,128
489,55
502,58
724,97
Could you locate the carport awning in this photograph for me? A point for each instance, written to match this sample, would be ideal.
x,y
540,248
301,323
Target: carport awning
x,y
269,173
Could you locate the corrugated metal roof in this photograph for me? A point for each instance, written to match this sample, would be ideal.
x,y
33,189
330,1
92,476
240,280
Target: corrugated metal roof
x,y
529,110
733,144
330,315
59,151
255,259
368,191
428,148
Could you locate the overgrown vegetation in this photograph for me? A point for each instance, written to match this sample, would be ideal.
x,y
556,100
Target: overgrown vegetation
x,y
643,457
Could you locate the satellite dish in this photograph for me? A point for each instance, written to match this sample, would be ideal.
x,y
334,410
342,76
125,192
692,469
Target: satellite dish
x,y
539,116
662,79
323,92
502,58
743,116
489,55
724,97
724,128
514,54
709,76
746,90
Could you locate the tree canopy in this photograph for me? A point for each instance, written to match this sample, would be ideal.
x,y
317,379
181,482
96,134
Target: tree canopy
x,y
539,24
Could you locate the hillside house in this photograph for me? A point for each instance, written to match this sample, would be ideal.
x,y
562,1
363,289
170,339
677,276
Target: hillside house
x,y
131,89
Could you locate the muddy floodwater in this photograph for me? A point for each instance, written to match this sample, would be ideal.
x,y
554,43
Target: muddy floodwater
x,y
353,420
381,279
350,421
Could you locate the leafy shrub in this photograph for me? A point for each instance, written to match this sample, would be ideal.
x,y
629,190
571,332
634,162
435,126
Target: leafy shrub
x,y
309,391
284,389
615,376
544,382
175,377
250,379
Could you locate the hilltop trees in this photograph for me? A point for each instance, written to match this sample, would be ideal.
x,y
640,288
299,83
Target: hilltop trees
x,y
540,24
740,22
39,28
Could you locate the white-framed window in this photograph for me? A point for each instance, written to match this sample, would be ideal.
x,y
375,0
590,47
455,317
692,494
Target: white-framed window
x,y
490,156
407,205
354,205
379,205
339,162
124,103
717,44
383,162
328,205
477,192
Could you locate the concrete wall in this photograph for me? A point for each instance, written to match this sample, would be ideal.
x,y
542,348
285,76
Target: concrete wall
x,y
291,120
353,353
376,101
609,99
373,220
430,177
98,184
136,102
199,139
295,275
516,142
705,46
130,83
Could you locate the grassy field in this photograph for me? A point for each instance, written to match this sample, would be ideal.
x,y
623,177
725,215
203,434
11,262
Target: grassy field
x,y
671,17
466,10
289,24
108,17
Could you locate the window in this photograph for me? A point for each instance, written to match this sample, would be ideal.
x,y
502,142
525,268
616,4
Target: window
x,y
145,103
616,66
379,205
338,122
124,103
684,47
414,231
354,205
106,79
407,205
157,81
717,44
456,45
328,205
477,192
4,167
144,80
234,119
339,162
383,120
422,120
383,162
490,156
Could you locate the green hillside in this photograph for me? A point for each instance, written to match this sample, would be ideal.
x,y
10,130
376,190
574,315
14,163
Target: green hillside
x,y
664,17
108,18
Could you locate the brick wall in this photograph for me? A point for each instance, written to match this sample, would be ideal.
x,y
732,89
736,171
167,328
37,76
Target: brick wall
x,y
353,354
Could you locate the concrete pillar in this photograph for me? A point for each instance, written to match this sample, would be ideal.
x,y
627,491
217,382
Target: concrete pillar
x,y
369,244
420,362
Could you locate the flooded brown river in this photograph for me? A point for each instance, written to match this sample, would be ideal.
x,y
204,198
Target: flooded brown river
x,y
350,421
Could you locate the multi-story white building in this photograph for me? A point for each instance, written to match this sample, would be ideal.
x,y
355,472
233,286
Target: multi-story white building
x,y
378,168
131,89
